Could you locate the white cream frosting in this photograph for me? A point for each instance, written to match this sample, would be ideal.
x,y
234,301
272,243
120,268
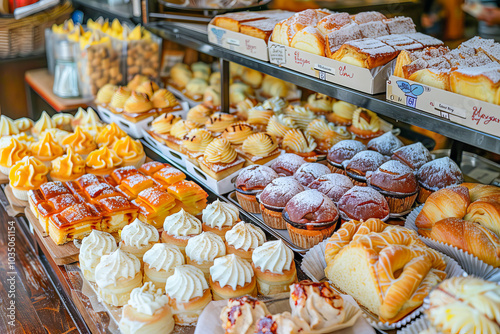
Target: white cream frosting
x,y
182,224
94,246
205,247
186,283
245,236
7,126
116,265
231,270
219,214
147,299
44,122
274,256
139,234
164,257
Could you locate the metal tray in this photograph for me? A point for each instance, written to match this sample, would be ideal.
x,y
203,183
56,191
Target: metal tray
x,y
256,218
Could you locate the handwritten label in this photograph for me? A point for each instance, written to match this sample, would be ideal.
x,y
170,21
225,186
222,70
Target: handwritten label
x,y
442,107
343,72
324,68
250,47
299,60
479,115
277,54
232,41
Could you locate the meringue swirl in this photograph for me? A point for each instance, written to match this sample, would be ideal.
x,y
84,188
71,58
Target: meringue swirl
x,y
245,236
139,234
205,247
186,283
164,257
231,270
44,122
109,135
219,214
23,124
274,256
147,299
94,246
182,224
116,265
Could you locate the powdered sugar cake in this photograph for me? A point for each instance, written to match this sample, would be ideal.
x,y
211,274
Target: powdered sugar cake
x,y
481,82
337,38
259,29
365,17
367,53
373,29
400,25
333,22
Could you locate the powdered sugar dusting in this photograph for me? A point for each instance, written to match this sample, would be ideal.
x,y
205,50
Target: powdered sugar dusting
x,y
287,164
385,144
345,150
255,176
309,172
332,185
440,173
414,155
395,167
280,191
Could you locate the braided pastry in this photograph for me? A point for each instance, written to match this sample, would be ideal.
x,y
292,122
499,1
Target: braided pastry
x,y
389,272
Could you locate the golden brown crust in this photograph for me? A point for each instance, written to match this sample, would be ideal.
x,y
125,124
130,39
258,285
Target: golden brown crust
x,y
226,292
245,255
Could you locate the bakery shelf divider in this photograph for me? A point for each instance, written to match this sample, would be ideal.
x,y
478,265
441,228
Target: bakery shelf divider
x,y
195,36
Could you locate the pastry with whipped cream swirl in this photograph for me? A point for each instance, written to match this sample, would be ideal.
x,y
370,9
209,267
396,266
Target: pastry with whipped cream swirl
x,y
199,114
259,149
24,124
11,151
80,141
138,238
44,122
220,159
130,151
301,115
232,277
188,293
147,311
258,117
316,304
243,239
218,122
62,121
67,167
365,125
46,149
236,133
274,267
326,134
320,103
195,143
177,133
241,315
300,143
160,262
102,161
342,113
179,227
116,276
109,135
203,249
94,246
27,174
219,217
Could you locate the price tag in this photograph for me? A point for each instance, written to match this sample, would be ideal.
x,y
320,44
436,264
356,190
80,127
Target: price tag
x,y
442,107
324,68
277,54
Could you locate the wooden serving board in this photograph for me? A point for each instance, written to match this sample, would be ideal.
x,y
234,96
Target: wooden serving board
x,y
60,254
4,179
16,206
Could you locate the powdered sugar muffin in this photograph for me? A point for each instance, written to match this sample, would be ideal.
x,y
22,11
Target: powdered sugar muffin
x,y
332,185
287,164
309,172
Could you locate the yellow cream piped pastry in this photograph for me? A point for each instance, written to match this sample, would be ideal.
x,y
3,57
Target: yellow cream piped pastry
x,y
295,141
302,116
180,75
136,81
147,311
259,116
148,88
24,124
130,151
137,103
105,94
326,134
67,167
92,124
63,121
11,151
195,143
320,103
163,123
160,262
237,132
56,133
163,99
24,138
94,246
81,142
272,86
80,117
276,104
182,128
259,148
220,159
212,97
195,88
109,135
102,161
46,149
119,98
279,125
199,114
365,124
7,127
239,92
218,122
44,122
244,106
342,113
27,174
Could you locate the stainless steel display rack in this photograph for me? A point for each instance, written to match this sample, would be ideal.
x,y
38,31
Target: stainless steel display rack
x,y
195,36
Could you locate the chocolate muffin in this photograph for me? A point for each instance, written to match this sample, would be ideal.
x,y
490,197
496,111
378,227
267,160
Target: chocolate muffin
x,y
251,180
386,144
309,172
361,163
274,198
311,217
397,183
437,174
362,203
342,151
332,185
287,164
414,155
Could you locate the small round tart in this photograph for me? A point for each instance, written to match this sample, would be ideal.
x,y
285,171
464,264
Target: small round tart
x,y
342,151
232,277
363,203
309,172
179,227
386,144
287,164
438,174
361,163
397,182
332,185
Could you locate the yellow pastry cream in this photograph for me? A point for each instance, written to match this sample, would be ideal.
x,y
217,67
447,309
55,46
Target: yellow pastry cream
x,y
326,134
258,115
81,142
105,94
236,133
218,122
279,125
220,151
103,159
148,88
197,140
302,116
23,124
109,135
136,81
56,133
343,110
180,75
275,104
199,114
46,148
11,151
297,142
45,122
163,123
27,174
137,103
211,97
320,103
67,167
260,144
196,88
163,99
182,128
244,106
80,117
7,126
118,100
92,124
63,121
24,138
364,119
238,92
130,151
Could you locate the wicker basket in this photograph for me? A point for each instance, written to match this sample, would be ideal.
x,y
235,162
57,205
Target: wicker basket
x,y
27,36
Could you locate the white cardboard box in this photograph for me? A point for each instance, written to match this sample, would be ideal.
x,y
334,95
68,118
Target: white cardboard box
x,y
369,81
470,112
248,45
223,186
175,156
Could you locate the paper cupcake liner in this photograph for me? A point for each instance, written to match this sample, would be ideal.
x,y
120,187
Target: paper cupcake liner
x,y
308,241
416,327
423,194
314,264
272,221
471,264
248,205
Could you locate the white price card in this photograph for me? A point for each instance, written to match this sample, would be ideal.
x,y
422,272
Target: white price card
x,y
277,54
